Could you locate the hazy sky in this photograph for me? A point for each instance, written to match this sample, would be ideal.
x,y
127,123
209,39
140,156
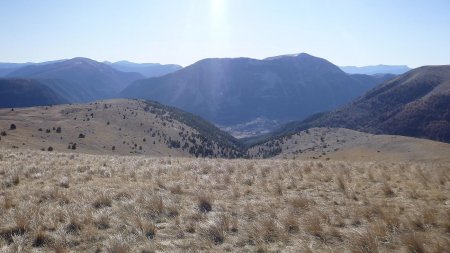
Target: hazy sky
x,y
346,32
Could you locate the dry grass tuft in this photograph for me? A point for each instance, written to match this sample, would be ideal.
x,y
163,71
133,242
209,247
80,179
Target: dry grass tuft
x,y
291,223
365,242
176,189
313,225
300,203
213,231
103,200
387,190
8,233
414,242
269,230
340,181
118,247
41,239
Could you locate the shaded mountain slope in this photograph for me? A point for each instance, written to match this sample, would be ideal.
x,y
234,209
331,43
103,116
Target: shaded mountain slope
x,y
416,104
25,93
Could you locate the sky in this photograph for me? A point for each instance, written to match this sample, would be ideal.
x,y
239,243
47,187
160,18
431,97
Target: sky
x,y
345,32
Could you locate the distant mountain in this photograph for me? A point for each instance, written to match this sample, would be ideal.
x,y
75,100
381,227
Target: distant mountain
x,y
415,104
26,92
145,69
6,68
378,69
87,79
238,91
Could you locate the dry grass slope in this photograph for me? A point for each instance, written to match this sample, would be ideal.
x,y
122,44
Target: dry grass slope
x,y
63,202
114,127
345,144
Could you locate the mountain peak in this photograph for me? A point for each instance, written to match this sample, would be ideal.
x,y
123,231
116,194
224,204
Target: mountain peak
x,y
299,55
83,60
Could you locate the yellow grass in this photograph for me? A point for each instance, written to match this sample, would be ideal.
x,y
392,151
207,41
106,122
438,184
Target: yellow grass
x,y
62,202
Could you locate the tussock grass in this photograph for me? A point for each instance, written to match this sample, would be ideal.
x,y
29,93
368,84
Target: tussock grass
x,y
66,202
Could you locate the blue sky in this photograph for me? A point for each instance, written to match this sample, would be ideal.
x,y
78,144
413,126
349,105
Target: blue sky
x,y
346,32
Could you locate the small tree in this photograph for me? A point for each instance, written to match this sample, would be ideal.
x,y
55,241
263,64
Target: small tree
x,y
50,148
12,127
81,136
58,130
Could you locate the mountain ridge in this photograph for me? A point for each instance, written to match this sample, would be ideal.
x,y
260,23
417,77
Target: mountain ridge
x,y
93,79
376,69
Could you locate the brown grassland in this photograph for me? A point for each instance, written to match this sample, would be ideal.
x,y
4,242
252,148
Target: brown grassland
x,y
66,202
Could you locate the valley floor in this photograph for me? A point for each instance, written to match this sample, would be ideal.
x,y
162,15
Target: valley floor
x,y
63,202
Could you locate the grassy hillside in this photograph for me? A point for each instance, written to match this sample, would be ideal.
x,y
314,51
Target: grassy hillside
x,y
115,127
63,202
344,144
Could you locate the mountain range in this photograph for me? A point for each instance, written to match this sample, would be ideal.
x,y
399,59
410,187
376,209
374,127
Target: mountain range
x,y
145,69
92,80
236,91
248,97
377,69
